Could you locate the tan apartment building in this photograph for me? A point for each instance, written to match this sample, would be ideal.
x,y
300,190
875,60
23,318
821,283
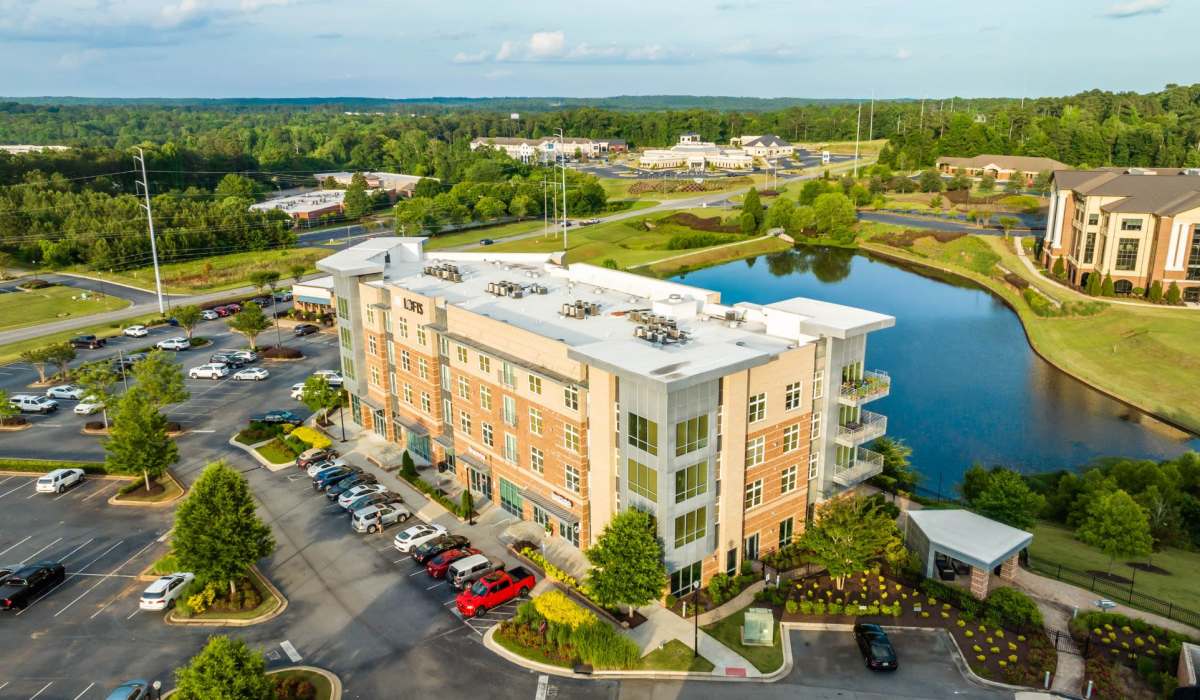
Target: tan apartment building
x,y
544,149
1139,225
1002,168
567,393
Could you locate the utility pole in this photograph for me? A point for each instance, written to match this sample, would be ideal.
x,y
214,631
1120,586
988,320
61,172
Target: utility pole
x,y
545,209
921,127
857,134
871,128
563,155
140,159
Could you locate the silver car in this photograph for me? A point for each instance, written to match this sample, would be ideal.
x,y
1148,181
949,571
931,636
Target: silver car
x,y
375,518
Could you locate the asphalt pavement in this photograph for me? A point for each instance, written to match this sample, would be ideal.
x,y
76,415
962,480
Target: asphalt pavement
x,y
931,223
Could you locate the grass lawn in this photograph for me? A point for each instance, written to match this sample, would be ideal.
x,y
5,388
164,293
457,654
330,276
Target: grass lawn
x,y
319,682
474,235
618,187
865,148
219,272
729,633
276,452
1055,543
18,309
708,257
675,656
35,466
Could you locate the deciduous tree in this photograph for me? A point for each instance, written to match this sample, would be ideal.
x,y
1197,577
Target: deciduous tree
x,y
846,534
97,381
897,474
319,395
627,562
161,378
1117,526
188,317
1008,223
226,669
7,410
1008,499
250,322
38,357
137,442
356,203
61,354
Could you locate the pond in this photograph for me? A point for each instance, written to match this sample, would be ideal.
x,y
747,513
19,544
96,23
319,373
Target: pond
x,y
966,386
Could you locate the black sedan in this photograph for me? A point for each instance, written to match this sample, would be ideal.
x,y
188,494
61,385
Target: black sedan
x,y
25,584
277,417
876,648
306,329
348,483
424,552
89,342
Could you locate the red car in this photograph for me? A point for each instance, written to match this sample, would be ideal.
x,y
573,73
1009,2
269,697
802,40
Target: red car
x,y
493,590
222,311
438,565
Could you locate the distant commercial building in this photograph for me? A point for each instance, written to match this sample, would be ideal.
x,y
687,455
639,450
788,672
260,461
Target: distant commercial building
x,y
565,394
767,146
394,184
24,149
314,296
308,206
543,149
694,154
1002,168
1139,225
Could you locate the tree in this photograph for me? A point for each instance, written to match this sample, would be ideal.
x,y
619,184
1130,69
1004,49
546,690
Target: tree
x,y
1117,526
161,378
226,669
1173,294
97,381
1008,223
752,205
468,506
846,534
627,562
930,181
935,202
1008,499
488,208
218,535
188,317
7,410
38,357
1059,269
61,354
1041,183
780,214
520,206
1014,184
137,442
407,466
1162,514
1156,292
356,203
1107,289
834,213
897,474
746,223
297,272
975,480
959,182
810,190
319,395
987,184
237,187
804,219
266,280
249,322
1093,284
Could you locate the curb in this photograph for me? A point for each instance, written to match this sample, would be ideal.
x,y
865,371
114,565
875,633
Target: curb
x,y
87,475
335,683
116,500
252,450
15,428
170,618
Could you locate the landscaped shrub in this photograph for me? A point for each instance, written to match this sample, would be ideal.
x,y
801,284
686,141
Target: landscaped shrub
x,y
699,239
293,688
601,646
556,607
312,436
1008,607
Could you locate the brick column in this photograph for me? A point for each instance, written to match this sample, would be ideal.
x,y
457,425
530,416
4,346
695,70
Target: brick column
x,y
1008,570
979,582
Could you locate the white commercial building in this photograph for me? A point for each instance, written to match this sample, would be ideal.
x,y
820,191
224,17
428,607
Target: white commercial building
x,y
543,149
694,154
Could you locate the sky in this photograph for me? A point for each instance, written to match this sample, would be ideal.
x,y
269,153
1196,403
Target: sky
x,y
588,48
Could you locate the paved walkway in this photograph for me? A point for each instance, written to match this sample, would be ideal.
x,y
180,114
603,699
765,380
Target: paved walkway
x,y
1069,673
662,625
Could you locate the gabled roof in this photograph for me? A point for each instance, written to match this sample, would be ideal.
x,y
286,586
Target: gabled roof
x,y
1161,191
766,141
1030,164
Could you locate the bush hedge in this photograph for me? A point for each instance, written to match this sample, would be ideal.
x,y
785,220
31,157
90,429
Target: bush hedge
x,y
573,636
49,465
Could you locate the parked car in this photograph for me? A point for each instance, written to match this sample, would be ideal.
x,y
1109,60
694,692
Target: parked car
x,y
325,477
65,391
492,589
138,331
209,315
468,570
88,406
25,584
486,241
416,536
176,344
353,493
89,342
298,391
373,499
221,311
438,565
226,358
875,646
315,468
315,454
277,417
283,295
437,545
211,370
305,329
131,690
233,307
7,570
372,519
263,301
59,480
28,403
165,590
331,376
253,374
246,356
334,491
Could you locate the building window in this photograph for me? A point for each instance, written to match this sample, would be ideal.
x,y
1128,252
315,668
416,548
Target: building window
x,y
643,480
571,478
683,579
1093,219
571,437
348,367
757,409
370,316
444,372
391,352
462,354
1089,249
754,494
510,499
345,338
1131,224
791,397
535,421
571,397
1127,252
690,527
537,460
691,481
426,404
393,386
787,479
464,422
343,308
816,425
422,368
405,361
541,517
508,410
1193,263
488,438
485,364
814,463
756,451
751,549
485,397
787,528
535,384
818,383
421,337
691,435
508,377
402,327
372,345
464,388
408,394
791,438
510,449
643,434
374,376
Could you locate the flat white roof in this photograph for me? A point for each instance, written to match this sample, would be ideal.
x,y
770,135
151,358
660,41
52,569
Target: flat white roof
x,y
977,540
303,202
837,320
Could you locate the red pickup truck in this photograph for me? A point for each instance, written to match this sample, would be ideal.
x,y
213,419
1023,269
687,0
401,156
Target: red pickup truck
x,y
493,590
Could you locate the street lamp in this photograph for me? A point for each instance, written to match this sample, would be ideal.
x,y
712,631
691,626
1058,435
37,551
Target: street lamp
x,y
696,619
157,685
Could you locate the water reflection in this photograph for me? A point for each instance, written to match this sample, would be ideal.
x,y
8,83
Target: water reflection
x,y
966,385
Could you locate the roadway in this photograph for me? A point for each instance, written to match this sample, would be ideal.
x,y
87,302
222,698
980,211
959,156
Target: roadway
x,y
930,223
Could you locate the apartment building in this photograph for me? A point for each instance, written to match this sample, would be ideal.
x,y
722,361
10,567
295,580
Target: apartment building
x,y
544,149
1138,225
1001,168
566,393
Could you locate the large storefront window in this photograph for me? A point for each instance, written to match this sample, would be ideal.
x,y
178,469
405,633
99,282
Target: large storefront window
x,y
481,482
681,580
510,498
418,444
1127,251
1193,263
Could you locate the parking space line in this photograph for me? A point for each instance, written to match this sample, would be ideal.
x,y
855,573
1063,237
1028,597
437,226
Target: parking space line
x,y
31,556
5,482
114,571
135,612
290,650
77,573
32,697
11,546
4,685
72,552
101,490
436,585
413,573
18,488
84,691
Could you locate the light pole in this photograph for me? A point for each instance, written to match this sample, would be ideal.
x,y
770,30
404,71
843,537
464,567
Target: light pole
x,y
696,619
140,159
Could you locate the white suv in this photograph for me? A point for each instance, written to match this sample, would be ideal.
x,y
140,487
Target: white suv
x,y
29,403
160,594
417,535
212,370
332,376
58,480
175,344
138,331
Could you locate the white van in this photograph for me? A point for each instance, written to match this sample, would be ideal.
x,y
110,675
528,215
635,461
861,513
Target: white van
x,y
467,570
28,403
825,157
58,480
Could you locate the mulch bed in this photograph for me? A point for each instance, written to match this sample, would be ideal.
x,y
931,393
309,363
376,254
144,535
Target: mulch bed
x,y
277,352
711,224
141,492
905,239
1110,577
1149,568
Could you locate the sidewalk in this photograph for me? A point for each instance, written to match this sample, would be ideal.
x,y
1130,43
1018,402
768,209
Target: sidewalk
x,y
662,626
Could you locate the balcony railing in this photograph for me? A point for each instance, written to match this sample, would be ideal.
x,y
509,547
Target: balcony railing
x,y
873,385
868,427
863,465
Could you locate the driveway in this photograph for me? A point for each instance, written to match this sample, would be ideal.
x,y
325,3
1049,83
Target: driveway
x,y
931,223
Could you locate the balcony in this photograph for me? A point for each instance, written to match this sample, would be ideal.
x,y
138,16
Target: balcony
x,y
873,385
863,465
868,427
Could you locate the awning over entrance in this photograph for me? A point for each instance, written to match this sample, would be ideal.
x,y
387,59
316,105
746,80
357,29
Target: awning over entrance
x,y
410,425
474,463
550,506
981,542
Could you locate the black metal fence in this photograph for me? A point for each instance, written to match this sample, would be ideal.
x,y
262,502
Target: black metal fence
x,y
1115,591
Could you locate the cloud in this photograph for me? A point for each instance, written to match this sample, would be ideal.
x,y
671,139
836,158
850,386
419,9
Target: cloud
x,y
552,47
903,54
464,57
1135,8
755,52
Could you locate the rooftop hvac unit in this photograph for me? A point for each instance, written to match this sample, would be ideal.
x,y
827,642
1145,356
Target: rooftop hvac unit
x,y
517,293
